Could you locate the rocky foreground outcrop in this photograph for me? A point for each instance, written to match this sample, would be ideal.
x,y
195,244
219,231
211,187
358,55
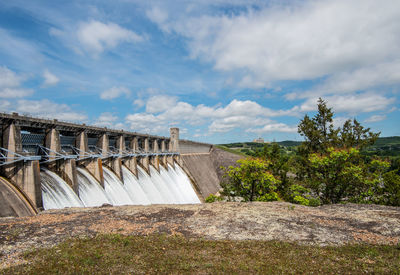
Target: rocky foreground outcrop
x,y
325,225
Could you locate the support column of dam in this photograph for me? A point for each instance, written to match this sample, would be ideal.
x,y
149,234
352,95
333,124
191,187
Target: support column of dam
x,y
155,160
103,143
164,158
24,175
174,145
131,162
95,166
116,163
170,158
145,161
66,168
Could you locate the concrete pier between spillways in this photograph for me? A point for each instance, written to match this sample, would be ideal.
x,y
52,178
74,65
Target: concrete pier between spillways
x,y
30,144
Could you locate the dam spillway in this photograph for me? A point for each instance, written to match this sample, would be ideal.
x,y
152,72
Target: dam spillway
x,y
47,164
89,189
57,194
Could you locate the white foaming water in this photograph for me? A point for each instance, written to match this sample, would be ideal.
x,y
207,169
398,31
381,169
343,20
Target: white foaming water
x,y
167,186
175,178
132,186
184,182
162,186
115,189
56,193
168,179
148,187
187,185
90,191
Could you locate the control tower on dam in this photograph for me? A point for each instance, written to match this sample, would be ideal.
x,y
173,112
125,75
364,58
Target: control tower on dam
x,y
46,164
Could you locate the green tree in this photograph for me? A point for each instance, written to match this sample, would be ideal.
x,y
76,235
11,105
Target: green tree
x,y
353,134
329,161
342,174
320,133
278,163
389,192
251,181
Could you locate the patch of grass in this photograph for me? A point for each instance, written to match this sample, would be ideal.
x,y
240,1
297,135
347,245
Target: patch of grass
x,y
230,150
117,254
14,234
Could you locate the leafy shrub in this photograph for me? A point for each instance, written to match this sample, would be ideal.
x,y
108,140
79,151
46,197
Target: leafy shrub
x,y
342,174
251,180
273,196
314,202
213,198
300,195
301,200
390,191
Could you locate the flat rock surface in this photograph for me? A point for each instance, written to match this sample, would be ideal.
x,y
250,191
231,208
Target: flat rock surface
x,y
325,225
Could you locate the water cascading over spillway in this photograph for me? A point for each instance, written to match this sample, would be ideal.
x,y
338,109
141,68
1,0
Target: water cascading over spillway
x,y
133,188
167,186
56,193
173,186
162,186
90,191
153,194
183,182
115,189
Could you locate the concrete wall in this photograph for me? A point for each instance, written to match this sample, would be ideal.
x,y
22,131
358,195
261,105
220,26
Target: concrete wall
x,y
13,202
201,169
223,158
190,147
25,176
205,169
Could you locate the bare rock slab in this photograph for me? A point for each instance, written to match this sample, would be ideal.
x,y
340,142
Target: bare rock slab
x,y
325,225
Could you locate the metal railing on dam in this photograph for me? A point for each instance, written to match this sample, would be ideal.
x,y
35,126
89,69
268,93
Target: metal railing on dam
x,y
30,146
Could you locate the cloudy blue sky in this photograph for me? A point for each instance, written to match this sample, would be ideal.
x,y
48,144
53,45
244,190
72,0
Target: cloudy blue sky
x,y
221,71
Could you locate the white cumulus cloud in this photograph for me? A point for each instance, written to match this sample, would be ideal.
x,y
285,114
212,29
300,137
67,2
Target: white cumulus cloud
x,y
352,104
370,77
306,40
237,114
274,127
10,84
375,118
49,78
160,103
97,36
109,120
49,109
157,15
139,102
115,92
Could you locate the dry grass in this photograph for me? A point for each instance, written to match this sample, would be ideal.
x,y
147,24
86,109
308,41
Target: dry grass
x,y
155,254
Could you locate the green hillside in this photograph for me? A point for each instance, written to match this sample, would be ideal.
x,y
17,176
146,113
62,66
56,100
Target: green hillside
x,y
384,146
289,143
382,141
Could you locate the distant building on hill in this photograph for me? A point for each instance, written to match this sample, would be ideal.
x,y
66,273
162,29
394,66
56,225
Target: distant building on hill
x,y
258,140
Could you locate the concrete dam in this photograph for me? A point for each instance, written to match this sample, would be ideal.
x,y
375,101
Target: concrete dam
x,y
48,164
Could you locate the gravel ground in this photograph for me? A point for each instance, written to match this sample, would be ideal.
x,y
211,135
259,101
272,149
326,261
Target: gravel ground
x,y
325,225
